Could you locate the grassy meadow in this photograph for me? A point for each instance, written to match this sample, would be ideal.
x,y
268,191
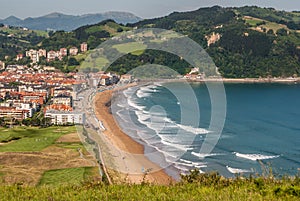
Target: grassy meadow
x,y
65,176
38,156
22,139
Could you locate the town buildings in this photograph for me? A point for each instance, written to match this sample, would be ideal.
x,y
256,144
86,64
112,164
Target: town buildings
x,y
83,47
65,117
73,51
42,53
33,89
51,55
34,55
27,92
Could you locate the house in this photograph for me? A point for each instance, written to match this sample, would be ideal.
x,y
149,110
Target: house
x,y
195,71
19,57
13,113
83,47
65,117
67,91
49,68
63,52
42,53
19,105
34,55
73,51
62,100
39,98
105,80
213,38
2,65
51,55
126,78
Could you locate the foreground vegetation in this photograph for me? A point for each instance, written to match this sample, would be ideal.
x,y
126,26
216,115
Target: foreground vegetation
x,y
193,187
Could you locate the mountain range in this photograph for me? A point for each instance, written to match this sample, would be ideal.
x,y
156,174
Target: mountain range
x,y
59,21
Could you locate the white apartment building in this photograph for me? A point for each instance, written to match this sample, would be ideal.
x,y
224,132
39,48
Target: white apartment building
x,y
65,117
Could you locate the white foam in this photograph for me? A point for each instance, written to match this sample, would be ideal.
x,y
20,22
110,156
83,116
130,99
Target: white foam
x,y
121,106
169,138
182,168
205,155
196,131
133,104
202,164
146,91
142,94
236,170
185,161
168,155
127,93
191,129
254,157
177,146
142,117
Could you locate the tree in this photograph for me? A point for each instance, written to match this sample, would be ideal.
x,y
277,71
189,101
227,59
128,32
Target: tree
x,y
120,29
270,31
73,62
282,32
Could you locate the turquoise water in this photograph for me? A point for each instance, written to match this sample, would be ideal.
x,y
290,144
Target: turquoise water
x,y
262,127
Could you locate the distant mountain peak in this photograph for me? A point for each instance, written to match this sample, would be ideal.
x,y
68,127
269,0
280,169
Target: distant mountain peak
x,y
12,17
55,15
60,21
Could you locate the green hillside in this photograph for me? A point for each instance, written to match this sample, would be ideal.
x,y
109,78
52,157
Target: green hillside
x,y
260,46
252,41
92,34
16,40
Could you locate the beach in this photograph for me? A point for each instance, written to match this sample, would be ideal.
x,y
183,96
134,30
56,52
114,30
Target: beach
x,y
128,155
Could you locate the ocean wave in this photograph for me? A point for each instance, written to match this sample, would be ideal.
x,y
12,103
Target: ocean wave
x,y
128,92
170,157
142,94
236,170
185,161
185,164
187,169
142,117
146,91
135,105
206,155
177,146
193,164
254,157
182,168
197,131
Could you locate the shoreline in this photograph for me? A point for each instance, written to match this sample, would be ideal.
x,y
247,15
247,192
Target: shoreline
x,y
129,154
231,80
251,80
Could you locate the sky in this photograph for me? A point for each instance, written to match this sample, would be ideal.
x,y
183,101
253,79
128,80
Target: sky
x,y
142,8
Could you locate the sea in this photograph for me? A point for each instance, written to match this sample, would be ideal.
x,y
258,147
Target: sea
x,y
261,131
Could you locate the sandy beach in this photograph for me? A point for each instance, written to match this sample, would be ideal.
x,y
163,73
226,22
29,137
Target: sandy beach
x,y
130,158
